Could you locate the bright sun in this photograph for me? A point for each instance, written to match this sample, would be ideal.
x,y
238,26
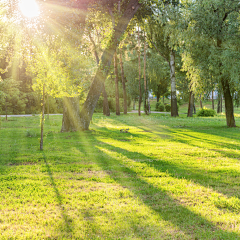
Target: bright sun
x,y
29,8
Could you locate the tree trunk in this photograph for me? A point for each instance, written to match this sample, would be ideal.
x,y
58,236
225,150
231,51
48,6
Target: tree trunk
x,y
219,102
6,108
190,104
139,75
48,106
42,120
227,96
134,104
116,84
200,99
212,101
228,103
174,110
70,121
123,85
218,107
106,110
145,79
100,76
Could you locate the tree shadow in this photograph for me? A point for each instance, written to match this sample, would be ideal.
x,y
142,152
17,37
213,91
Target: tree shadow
x,y
192,224
67,229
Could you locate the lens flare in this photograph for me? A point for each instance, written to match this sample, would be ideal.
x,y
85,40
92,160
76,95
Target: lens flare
x,y
29,8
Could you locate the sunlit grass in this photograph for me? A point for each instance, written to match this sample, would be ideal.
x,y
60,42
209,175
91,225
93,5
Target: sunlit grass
x,y
166,178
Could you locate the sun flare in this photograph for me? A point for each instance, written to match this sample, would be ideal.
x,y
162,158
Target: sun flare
x,y
29,8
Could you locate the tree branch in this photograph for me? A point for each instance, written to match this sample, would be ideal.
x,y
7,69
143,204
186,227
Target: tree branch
x,y
94,48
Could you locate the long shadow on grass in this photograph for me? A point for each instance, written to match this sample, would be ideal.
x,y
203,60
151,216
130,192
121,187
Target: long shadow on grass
x,y
204,137
190,223
186,138
67,220
181,171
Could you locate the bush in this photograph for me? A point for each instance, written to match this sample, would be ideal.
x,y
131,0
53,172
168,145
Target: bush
x,y
159,107
205,112
31,133
168,108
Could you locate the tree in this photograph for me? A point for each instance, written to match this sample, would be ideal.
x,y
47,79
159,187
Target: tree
x,y
139,75
12,99
128,9
58,71
123,84
106,110
158,74
162,35
96,87
215,23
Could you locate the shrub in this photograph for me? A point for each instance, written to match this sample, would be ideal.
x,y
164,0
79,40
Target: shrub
x,y
31,133
159,107
205,112
168,108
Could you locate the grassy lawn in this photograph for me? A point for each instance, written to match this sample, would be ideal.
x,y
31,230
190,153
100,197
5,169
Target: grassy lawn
x,y
165,178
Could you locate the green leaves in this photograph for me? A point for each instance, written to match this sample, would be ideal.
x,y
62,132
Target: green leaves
x,y
11,98
63,70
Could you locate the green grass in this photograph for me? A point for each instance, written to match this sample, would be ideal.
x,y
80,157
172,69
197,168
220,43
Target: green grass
x,y
166,178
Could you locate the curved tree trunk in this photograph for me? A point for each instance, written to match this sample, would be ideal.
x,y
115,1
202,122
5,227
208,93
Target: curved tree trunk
x,y
174,110
71,121
106,110
100,76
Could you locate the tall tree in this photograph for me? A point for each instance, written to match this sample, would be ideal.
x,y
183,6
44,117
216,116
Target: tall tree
x,y
146,99
106,110
116,83
164,38
215,23
123,84
86,113
139,74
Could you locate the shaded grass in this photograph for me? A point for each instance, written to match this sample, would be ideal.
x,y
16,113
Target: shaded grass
x,y
168,178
